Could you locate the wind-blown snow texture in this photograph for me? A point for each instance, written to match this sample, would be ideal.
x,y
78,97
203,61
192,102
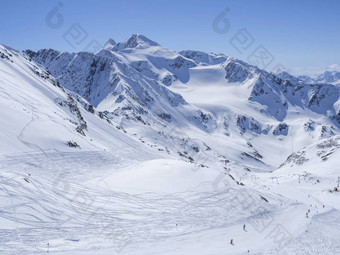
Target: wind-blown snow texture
x,y
139,149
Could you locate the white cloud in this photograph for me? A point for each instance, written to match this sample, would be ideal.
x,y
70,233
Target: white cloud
x,y
334,67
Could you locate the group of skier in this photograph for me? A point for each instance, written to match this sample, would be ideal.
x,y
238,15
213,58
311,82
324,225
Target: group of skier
x,y
307,213
232,240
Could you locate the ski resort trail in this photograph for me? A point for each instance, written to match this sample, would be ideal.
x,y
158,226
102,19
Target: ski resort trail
x,y
70,200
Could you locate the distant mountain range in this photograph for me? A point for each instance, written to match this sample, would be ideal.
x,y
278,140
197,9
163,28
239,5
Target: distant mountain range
x,y
330,77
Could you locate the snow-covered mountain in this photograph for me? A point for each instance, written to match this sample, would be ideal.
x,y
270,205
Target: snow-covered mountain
x,y
329,77
147,88
38,113
157,145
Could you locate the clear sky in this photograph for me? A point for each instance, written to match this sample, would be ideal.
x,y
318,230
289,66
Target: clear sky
x,y
298,34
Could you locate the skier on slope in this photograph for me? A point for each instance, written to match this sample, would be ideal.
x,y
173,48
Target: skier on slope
x,y
231,242
244,227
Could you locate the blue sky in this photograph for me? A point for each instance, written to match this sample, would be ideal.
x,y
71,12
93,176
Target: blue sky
x,y
297,34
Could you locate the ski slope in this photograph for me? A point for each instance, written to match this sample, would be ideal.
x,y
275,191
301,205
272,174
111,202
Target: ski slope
x,y
77,211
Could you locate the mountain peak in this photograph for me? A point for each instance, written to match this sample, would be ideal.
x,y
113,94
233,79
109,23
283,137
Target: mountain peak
x,y
139,39
136,41
110,44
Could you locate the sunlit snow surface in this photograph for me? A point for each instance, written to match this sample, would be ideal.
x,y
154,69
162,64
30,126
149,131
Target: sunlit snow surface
x,y
123,193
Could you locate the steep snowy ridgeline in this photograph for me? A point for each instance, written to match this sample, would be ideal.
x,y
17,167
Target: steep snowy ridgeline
x,y
130,70
38,114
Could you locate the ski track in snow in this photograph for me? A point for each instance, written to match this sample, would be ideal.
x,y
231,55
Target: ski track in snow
x,y
60,202
147,216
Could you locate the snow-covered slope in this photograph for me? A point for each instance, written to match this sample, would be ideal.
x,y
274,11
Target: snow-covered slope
x,y
38,113
143,150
